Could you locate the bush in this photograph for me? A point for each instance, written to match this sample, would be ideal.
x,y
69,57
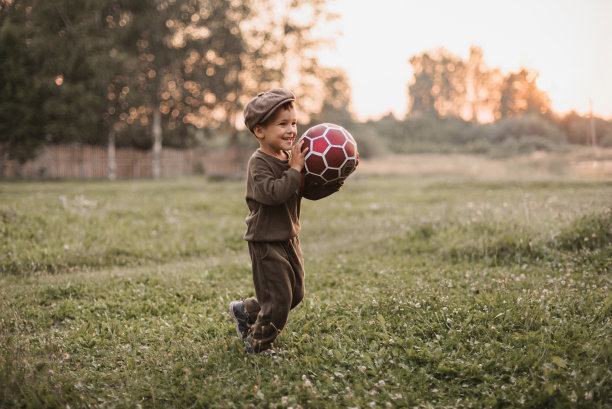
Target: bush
x,y
523,145
606,141
589,232
426,133
579,129
528,125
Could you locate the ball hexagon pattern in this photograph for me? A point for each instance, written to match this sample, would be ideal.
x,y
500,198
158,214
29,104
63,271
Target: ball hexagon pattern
x,y
332,154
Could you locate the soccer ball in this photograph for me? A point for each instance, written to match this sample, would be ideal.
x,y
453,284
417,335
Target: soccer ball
x,y
332,154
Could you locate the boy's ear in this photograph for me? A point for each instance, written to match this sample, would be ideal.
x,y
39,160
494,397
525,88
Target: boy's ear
x,y
258,131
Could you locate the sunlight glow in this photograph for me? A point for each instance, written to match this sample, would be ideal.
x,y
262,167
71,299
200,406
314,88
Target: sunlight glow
x,y
563,40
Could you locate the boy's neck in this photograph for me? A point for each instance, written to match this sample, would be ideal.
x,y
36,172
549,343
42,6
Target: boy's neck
x,y
282,155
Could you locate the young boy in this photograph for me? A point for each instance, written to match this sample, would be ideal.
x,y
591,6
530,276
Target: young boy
x,y
273,195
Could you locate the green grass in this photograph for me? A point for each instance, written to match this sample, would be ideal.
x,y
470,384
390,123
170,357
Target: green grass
x,y
421,292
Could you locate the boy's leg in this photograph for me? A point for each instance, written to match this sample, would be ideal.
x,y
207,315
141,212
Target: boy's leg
x,y
294,252
275,279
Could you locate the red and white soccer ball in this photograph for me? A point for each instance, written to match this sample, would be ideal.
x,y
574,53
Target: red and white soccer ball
x,y
332,154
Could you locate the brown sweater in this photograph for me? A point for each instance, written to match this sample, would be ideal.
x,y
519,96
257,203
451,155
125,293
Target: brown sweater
x,y
274,195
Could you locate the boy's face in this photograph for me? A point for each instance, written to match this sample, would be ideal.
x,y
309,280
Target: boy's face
x,y
279,133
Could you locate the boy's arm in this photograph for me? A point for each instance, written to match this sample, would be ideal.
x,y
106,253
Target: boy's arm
x,y
316,192
268,189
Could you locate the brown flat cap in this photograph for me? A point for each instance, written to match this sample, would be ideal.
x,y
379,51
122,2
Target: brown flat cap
x,y
263,105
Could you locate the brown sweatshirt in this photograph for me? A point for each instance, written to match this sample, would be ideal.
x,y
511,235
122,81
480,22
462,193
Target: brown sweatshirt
x,y
274,195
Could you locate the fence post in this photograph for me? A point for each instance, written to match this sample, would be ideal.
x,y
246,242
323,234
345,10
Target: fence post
x,y
157,143
112,162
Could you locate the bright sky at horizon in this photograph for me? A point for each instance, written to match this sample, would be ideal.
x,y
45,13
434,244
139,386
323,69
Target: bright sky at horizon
x,y
566,41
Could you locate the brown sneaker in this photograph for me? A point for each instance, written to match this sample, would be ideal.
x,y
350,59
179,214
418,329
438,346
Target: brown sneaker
x,y
241,319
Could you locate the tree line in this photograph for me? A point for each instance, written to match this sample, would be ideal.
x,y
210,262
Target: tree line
x,y
445,85
458,105
139,72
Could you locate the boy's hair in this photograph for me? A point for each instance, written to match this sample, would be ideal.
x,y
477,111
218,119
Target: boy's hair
x,y
261,108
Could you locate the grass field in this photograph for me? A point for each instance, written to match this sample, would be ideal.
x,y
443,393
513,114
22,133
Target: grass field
x,y
421,292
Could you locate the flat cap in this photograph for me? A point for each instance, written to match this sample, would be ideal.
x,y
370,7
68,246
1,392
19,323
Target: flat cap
x,y
263,105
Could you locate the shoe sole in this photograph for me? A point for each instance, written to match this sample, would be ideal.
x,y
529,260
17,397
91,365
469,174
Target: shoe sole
x,y
266,353
236,323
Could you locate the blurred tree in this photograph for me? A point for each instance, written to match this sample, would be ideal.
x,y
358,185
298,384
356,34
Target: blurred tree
x,y
421,91
67,43
149,38
446,86
97,71
21,95
482,88
335,90
114,67
190,57
439,84
226,51
59,68
282,40
519,95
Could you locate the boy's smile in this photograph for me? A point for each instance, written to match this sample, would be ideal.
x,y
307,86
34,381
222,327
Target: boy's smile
x,y
278,134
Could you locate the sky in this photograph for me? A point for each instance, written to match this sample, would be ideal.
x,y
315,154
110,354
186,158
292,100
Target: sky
x,y
569,42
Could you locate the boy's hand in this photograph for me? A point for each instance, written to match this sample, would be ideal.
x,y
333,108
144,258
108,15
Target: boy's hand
x,y
297,156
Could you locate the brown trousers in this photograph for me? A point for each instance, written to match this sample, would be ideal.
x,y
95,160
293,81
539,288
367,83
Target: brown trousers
x,y
278,275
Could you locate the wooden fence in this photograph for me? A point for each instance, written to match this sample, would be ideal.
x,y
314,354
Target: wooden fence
x,y
91,162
